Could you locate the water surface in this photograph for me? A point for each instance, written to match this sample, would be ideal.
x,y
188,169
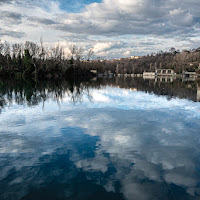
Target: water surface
x,y
107,139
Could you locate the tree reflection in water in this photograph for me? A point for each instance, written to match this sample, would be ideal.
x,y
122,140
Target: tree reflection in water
x,y
130,145
30,92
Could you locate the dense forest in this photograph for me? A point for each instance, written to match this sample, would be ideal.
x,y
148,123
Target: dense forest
x,y
173,59
41,62
38,61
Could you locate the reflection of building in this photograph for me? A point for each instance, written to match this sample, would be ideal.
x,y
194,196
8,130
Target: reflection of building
x,y
198,93
127,75
133,89
189,79
164,72
93,71
100,75
164,79
94,79
108,74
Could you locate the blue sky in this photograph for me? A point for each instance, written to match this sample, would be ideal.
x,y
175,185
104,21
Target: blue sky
x,y
112,28
75,6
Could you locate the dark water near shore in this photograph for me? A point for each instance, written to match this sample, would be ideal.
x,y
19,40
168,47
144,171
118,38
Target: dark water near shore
x,y
124,138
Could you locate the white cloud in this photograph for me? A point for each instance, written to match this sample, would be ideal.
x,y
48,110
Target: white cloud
x,y
103,46
111,19
127,53
180,17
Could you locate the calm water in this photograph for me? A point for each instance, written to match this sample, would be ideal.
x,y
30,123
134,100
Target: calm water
x,y
130,139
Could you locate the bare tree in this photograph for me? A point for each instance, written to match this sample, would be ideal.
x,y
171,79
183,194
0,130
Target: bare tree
x,y
17,50
90,54
33,49
73,49
57,52
1,47
79,53
42,50
7,49
172,50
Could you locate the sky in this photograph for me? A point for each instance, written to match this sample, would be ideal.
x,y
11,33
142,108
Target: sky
x,y
112,28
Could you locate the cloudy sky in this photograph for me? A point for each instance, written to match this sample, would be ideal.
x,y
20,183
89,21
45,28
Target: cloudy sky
x,y
113,28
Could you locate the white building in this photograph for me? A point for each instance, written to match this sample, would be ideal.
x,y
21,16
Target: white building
x,y
165,72
149,75
189,74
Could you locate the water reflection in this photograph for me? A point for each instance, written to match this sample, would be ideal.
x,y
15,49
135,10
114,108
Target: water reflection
x,y
113,143
32,93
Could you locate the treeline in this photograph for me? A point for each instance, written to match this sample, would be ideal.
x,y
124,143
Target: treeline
x,y
173,59
39,61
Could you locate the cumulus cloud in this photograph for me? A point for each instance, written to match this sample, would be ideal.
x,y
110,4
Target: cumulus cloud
x,y
13,34
103,46
127,53
109,19
10,18
180,17
126,17
5,1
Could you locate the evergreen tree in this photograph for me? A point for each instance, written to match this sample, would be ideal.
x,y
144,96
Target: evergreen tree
x,y
28,64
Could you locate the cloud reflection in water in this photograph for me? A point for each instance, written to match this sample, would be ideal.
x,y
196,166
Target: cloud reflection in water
x,y
145,144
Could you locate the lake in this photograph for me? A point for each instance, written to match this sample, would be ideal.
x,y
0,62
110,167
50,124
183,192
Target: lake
x,y
120,138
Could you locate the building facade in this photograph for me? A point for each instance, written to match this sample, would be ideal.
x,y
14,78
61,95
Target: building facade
x,y
164,72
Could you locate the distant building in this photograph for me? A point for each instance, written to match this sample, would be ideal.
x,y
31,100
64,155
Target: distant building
x,y
164,72
189,74
135,57
149,75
